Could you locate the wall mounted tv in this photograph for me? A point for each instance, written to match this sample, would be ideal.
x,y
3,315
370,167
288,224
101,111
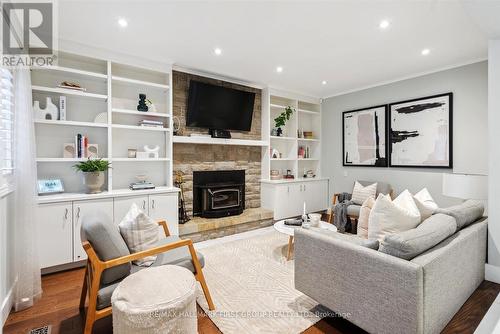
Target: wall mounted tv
x,y
217,107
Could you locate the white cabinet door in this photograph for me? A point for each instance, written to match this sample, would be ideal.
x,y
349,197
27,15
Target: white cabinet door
x,y
80,210
280,201
54,234
288,200
165,207
295,200
122,206
316,195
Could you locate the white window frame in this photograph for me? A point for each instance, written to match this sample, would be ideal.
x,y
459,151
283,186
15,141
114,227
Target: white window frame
x,y
6,107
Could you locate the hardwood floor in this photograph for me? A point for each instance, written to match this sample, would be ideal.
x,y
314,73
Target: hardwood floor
x,y
61,292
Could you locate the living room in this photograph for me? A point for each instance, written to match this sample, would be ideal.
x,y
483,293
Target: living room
x,y
250,167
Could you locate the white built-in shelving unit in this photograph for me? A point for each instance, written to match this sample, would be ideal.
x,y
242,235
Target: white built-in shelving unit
x,y
307,117
111,88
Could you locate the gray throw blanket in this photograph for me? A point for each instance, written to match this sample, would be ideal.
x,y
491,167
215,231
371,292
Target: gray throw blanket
x,y
340,212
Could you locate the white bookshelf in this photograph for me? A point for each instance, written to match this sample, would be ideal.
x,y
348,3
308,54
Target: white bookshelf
x,y
307,117
112,88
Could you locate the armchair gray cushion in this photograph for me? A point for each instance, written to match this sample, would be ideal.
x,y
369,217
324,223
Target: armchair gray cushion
x,y
353,210
178,256
465,213
382,187
108,244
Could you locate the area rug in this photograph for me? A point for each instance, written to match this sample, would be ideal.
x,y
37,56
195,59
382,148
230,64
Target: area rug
x,y
252,287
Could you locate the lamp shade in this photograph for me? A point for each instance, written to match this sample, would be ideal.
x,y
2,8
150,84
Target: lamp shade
x,y
465,186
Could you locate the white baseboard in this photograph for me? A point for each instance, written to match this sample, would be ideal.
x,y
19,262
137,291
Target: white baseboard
x,y
7,304
492,273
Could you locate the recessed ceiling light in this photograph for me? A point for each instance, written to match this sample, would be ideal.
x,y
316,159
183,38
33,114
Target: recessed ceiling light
x,y
122,22
217,51
279,69
323,82
425,52
384,24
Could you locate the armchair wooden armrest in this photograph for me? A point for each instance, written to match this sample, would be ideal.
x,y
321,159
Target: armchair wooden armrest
x,y
335,198
163,224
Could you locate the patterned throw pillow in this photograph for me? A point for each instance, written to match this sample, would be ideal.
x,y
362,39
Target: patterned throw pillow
x,y
360,193
140,233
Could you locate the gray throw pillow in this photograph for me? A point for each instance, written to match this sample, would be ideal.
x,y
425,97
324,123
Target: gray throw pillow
x,y
465,213
411,243
108,244
351,238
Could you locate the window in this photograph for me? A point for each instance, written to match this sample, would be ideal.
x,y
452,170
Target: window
x,y
6,126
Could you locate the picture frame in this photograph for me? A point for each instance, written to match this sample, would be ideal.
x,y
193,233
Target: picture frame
x,y
364,137
421,132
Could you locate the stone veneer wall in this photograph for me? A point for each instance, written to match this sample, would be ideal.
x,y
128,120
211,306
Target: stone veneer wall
x,y
189,157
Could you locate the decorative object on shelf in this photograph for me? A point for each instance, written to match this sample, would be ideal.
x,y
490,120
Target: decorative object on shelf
x,y
274,132
150,123
176,125
50,186
69,150
93,151
93,174
151,106
71,85
101,118
364,137
308,135
179,181
275,174
288,174
142,183
62,108
49,113
149,152
142,103
132,153
301,152
308,174
300,133
275,153
282,119
420,132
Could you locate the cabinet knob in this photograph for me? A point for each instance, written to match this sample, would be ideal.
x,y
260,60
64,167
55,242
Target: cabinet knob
x,y
78,212
66,212
144,204
153,204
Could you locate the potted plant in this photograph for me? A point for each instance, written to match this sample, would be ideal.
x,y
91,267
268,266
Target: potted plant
x,y
93,174
281,120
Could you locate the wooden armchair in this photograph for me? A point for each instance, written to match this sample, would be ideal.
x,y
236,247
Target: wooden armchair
x,y
95,267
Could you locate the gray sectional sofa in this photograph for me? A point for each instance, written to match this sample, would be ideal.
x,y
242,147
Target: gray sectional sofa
x,y
408,284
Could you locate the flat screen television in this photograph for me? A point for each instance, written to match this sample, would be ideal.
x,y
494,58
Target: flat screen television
x,y
219,108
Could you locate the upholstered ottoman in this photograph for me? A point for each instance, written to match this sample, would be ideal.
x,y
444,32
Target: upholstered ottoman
x,y
156,300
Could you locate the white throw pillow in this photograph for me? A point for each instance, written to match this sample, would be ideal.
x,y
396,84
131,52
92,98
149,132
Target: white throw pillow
x,y
360,193
388,217
425,203
140,233
364,216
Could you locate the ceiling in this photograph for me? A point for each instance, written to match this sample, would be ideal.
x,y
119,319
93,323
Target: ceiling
x,y
337,41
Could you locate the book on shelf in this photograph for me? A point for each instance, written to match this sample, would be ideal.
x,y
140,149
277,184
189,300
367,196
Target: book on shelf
x,y
62,108
145,122
82,146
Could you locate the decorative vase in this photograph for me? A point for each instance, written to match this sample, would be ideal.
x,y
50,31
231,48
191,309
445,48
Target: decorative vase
x,y
93,181
274,132
142,103
279,132
49,113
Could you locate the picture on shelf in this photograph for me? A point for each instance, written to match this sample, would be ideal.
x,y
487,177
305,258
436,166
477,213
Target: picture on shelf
x,y
364,137
421,132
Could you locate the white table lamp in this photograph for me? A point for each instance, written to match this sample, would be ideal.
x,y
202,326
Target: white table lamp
x,y
465,186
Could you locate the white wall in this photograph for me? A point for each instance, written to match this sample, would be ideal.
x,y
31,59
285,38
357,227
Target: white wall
x,y
7,276
494,155
470,124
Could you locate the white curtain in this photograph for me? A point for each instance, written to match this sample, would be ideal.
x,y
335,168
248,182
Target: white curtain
x,y
27,268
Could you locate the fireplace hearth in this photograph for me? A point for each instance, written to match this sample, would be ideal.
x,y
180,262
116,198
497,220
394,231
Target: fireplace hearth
x,y
218,193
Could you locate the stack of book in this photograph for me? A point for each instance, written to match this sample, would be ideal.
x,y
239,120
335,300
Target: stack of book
x,y
81,146
155,124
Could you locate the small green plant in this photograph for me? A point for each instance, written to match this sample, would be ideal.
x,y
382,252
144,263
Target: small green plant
x,y
92,165
283,117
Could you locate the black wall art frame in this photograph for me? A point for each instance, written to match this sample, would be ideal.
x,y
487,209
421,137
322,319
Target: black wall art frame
x,y
421,132
364,137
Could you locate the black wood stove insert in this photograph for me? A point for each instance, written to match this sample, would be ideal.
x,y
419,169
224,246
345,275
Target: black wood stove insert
x,y
218,193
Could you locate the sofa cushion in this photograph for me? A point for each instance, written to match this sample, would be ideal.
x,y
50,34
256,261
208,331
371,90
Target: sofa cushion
x,y
465,213
364,215
360,193
388,217
140,233
351,238
353,210
425,203
108,244
382,187
411,243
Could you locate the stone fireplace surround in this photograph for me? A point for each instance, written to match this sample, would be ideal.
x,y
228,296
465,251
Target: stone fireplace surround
x,y
188,158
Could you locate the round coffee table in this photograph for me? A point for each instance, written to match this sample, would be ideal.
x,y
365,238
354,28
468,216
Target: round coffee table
x,y
290,230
